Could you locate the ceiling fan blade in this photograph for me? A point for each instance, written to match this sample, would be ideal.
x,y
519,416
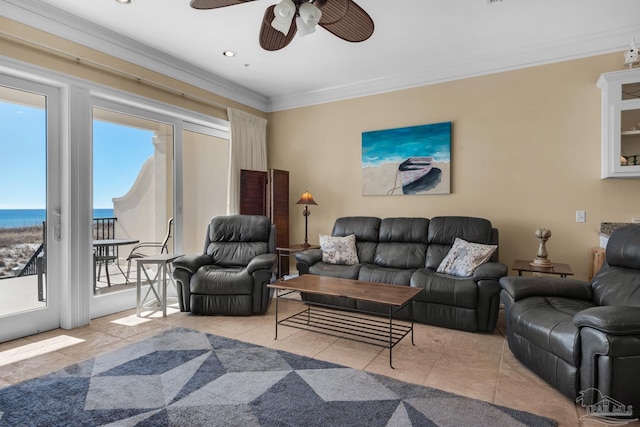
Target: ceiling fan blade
x,y
347,20
215,4
272,39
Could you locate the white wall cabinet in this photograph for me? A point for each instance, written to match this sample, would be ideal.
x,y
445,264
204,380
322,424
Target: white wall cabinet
x,y
620,123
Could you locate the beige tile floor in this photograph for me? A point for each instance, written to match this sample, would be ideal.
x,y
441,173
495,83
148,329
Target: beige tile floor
x,y
475,365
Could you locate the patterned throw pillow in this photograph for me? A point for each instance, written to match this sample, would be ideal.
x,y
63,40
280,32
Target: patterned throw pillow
x,y
464,257
339,250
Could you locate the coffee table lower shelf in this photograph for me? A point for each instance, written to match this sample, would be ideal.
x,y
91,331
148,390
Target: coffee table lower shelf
x,y
349,324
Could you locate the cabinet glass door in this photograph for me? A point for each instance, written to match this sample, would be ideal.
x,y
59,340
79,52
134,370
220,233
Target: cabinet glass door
x,y
620,124
630,127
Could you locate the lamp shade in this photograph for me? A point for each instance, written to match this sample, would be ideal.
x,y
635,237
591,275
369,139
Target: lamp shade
x,y
306,199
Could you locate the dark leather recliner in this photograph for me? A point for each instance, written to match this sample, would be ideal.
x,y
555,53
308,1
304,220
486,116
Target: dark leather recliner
x,y
582,338
231,276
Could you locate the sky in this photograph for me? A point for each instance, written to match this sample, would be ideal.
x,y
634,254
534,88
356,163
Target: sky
x,y
119,153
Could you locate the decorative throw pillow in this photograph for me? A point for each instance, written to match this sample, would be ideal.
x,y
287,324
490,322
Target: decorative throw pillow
x,y
464,257
339,250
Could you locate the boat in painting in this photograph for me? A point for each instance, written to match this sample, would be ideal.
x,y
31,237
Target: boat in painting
x,y
414,168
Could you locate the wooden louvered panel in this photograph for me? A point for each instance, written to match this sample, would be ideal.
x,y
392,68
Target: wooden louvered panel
x,y
253,192
279,209
267,193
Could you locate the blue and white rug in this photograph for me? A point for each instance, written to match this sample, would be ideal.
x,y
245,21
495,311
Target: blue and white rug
x,y
188,378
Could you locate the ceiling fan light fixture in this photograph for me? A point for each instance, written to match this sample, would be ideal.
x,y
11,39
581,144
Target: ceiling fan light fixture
x,y
309,13
308,17
284,13
303,28
124,1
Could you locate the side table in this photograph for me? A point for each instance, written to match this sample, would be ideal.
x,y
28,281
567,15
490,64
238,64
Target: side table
x,y
287,251
563,270
157,284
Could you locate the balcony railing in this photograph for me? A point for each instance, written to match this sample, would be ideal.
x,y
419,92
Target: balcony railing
x,y
103,228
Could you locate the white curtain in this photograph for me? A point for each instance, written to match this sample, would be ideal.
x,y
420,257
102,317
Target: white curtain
x,y
248,150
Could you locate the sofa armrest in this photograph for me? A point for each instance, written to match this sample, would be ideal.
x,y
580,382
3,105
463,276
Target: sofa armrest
x,y
490,271
262,262
306,259
613,320
192,262
523,287
310,256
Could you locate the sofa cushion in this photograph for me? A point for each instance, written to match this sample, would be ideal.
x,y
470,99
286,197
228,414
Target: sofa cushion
x,y
623,247
445,289
236,240
339,250
547,322
402,243
464,257
618,281
366,230
215,280
443,231
394,276
333,270
616,286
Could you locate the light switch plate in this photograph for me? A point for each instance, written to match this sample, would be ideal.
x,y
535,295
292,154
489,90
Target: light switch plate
x,y
581,216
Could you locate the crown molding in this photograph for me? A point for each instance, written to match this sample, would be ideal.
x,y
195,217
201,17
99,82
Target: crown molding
x,y
60,23
472,66
47,18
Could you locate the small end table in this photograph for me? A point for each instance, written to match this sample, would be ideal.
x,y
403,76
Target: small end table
x,y
287,251
563,270
157,285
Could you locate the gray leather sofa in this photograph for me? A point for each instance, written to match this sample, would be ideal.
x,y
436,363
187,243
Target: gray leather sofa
x,y
407,252
582,338
231,276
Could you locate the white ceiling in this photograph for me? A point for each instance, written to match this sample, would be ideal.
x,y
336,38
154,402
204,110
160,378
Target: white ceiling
x,y
415,42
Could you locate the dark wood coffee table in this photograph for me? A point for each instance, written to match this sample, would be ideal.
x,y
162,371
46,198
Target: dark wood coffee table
x,y
349,323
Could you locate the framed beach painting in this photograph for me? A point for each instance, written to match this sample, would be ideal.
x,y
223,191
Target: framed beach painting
x,y
408,160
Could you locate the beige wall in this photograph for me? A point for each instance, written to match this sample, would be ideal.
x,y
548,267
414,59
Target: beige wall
x,y
205,180
525,154
525,146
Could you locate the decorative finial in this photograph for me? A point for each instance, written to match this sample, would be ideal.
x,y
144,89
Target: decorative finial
x,y
541,260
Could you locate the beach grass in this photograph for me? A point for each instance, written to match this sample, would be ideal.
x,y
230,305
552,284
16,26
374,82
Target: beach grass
x,y
14,236
17,246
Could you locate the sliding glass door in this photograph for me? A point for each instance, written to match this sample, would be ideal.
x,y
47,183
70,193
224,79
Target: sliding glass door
x,y
29,207
133,187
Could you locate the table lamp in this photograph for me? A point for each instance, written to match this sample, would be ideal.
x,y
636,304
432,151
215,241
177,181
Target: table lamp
x,y
306,199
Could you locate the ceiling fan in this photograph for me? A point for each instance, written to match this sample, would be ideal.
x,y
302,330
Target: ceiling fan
x,y
281,22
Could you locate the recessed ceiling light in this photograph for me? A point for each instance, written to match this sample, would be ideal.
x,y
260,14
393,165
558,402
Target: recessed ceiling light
x,y
124,1
229,53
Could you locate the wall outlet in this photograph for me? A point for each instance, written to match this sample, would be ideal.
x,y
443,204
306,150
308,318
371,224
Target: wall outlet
x,y
581,216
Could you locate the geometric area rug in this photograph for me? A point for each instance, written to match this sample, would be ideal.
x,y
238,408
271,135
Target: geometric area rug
x,y
183,377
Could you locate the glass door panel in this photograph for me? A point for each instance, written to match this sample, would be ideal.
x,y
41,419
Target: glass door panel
x,y
132,195
28,299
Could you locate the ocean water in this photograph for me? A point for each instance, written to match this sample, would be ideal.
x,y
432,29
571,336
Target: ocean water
x,y
15,218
